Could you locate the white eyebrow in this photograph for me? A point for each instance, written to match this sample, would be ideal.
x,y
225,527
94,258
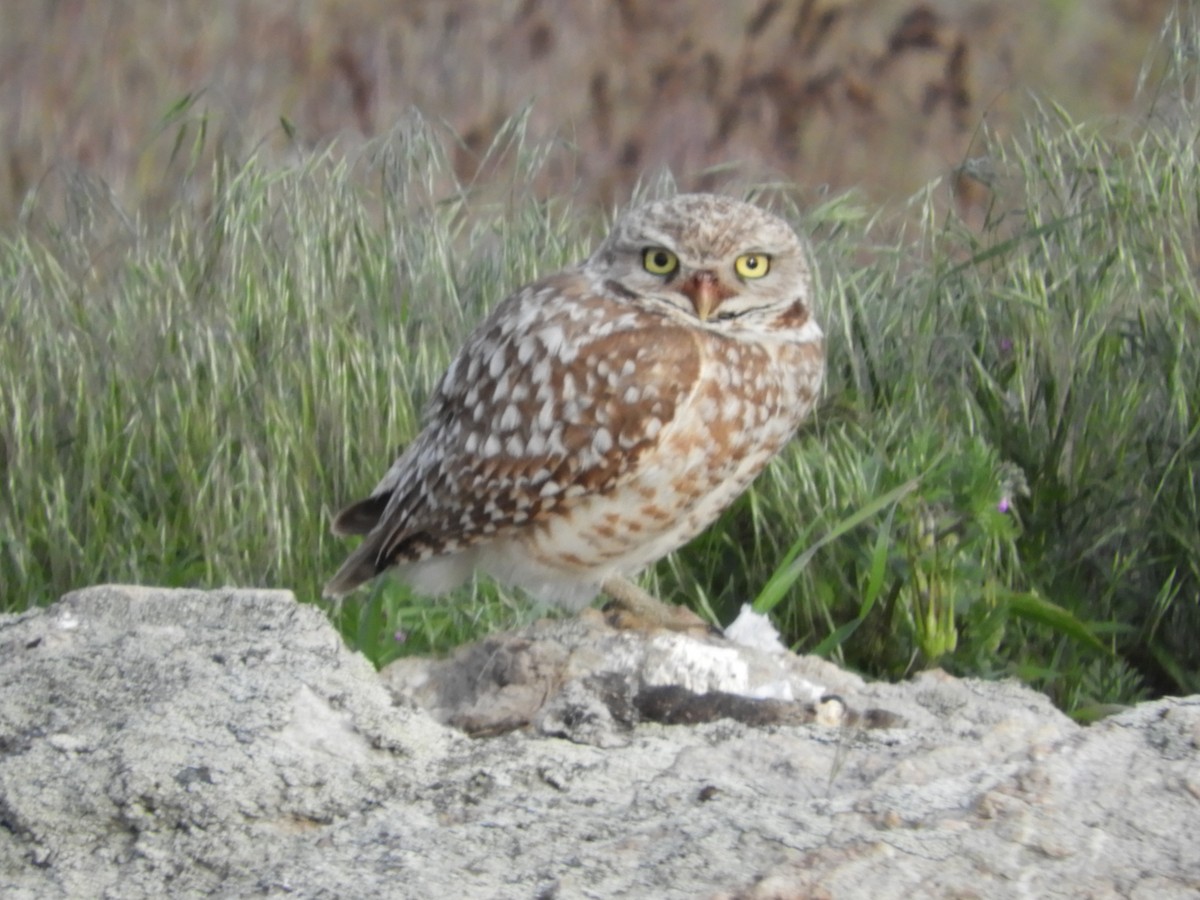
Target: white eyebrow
x,y
650,236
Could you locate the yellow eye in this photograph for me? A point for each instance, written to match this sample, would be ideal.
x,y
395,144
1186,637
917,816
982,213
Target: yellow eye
x,y
752,265
659,261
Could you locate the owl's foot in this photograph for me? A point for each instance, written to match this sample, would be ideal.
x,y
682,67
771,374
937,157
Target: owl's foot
x,y
632,609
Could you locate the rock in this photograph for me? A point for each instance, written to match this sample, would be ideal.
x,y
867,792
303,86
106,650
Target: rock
x,y
184,743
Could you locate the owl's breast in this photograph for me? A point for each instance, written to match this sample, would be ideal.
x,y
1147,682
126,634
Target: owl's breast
x,y
748,402
751,394
745,403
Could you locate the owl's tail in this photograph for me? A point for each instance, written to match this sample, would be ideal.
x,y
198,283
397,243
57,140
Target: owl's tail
x,y
360,567
361,517
363,564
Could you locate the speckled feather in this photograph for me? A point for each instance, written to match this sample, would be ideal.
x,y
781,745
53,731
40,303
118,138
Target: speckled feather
x,y
593,422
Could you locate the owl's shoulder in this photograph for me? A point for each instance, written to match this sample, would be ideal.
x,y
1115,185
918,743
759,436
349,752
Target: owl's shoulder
x,y
566,319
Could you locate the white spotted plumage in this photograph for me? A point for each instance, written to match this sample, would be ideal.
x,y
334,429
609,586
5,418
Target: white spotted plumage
x,y
603,416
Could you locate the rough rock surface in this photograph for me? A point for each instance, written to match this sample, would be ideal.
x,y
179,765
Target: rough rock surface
x,y
179,743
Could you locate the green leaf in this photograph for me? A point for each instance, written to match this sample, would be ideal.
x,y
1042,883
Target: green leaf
x,y
794,562
1028,605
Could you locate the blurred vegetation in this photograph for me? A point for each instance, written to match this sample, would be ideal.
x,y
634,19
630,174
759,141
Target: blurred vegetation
x,y
877,95
1001,480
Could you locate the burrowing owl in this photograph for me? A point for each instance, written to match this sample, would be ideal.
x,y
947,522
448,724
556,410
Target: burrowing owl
x,y
603,416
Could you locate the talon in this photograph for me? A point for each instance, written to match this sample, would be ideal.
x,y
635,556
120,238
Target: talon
x,y
633,609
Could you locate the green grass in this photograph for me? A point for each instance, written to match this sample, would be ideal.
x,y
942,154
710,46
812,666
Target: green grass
x,y
1002,479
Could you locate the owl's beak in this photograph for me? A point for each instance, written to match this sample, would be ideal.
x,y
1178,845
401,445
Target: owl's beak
x,y
706,292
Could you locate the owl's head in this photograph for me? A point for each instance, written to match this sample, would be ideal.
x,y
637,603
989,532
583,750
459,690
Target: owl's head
x,y
710,258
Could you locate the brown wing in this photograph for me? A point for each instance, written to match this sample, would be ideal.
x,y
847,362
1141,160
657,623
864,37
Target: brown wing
x,y
554,397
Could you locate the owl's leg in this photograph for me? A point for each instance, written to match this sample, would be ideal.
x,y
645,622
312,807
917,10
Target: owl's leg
x,y
632,608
